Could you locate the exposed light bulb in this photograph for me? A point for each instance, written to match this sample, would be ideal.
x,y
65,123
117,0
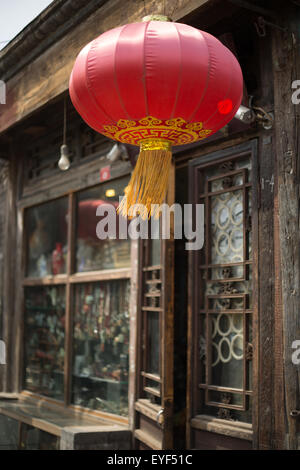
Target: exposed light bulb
x,y
64,162
110,193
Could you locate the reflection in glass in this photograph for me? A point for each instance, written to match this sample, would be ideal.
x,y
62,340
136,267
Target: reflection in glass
x,y
47,238
101,346
93,253
45,337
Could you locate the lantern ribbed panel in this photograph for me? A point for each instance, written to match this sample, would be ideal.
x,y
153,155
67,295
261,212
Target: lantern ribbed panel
x,y
161,69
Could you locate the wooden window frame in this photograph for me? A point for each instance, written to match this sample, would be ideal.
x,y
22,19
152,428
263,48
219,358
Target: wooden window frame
x,y
69,280
156,271
194,419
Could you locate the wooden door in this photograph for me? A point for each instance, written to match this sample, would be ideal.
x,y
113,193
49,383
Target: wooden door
x,y
222,303
154,393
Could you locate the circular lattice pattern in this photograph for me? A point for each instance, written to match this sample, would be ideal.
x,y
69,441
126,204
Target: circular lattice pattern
x,y
228,338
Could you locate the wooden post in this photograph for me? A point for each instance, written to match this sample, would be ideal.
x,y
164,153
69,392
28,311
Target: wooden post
x,y
286,60
133,308
3,192
268,418
167,345
10,329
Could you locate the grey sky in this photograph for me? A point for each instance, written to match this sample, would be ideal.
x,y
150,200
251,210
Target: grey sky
x,y
16,14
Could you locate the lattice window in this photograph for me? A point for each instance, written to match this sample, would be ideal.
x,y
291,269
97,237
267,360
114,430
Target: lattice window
x,y
224,296
92,143
151,321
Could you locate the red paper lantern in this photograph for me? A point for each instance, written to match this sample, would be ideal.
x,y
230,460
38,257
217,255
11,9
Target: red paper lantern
x,y
155,84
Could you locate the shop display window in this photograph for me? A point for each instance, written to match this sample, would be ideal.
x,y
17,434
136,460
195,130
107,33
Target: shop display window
x,y
45,338
76,302
47,247
101,346
92,253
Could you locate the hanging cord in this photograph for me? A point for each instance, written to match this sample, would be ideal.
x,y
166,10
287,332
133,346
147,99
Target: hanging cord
x,y
65,122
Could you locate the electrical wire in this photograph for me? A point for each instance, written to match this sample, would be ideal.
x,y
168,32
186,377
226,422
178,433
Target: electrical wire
x,y
65,122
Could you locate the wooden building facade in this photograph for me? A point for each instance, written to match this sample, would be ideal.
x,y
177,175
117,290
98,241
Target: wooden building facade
x,y
120,344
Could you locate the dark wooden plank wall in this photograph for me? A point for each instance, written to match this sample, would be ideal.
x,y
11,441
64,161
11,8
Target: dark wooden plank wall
x,y
268,418
286,60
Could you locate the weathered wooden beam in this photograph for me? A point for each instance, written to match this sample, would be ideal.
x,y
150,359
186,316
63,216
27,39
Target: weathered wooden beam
x,y
9,371
286,62
52,24
269,429
48,75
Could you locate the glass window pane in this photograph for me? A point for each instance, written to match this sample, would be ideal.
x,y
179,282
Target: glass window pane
x,y
44,340
36,439
155,243
153,391
101,346
227,228
155,252
227,350
9,433
46,229
93,253
153,342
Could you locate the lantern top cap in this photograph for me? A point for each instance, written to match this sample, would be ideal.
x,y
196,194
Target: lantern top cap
x,y
156,18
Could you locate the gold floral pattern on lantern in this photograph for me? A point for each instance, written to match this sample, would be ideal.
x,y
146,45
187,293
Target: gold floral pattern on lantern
x,y
195,126
177,122
124,123
150,121
177,131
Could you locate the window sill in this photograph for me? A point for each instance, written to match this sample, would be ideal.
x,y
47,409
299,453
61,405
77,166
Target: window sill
x,y
73,410
79,277
54,418
234,429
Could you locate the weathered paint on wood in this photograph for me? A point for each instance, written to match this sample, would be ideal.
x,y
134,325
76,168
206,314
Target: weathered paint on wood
x,y
286,69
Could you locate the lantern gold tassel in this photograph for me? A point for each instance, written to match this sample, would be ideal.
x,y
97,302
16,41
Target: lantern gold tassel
x,y
147,188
